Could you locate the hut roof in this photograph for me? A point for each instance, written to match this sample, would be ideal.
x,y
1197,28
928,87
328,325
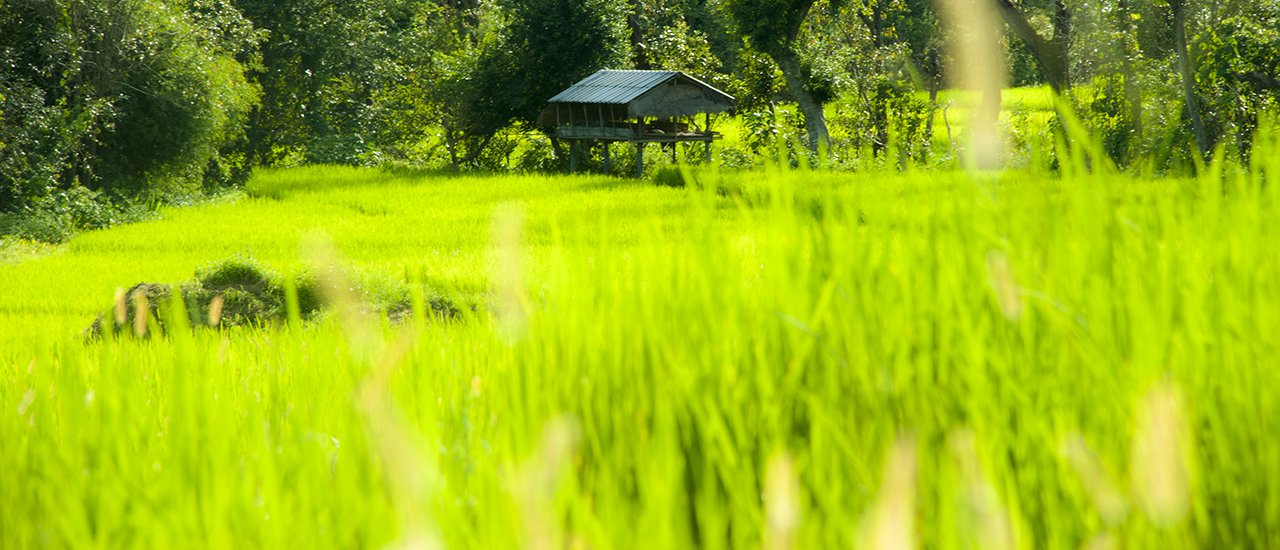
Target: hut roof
x,y
612,87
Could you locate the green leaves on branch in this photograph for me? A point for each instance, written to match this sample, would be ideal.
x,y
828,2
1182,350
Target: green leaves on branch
x,y
126,96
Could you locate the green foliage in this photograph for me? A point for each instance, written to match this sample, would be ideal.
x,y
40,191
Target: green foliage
x,y
1239,72
322,64
60,215
757,84
35,142
130,96
771,25
473,78
544,47
677,47
429,114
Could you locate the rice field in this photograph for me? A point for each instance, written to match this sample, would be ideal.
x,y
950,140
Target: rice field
x,y
776,358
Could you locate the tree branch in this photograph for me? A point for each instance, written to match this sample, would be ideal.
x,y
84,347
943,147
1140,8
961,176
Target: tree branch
x,y
1261,80
1048,53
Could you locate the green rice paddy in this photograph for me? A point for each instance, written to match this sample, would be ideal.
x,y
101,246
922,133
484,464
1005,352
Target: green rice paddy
x,y
780,359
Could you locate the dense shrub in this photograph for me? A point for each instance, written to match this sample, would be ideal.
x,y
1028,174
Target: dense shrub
x,y
59,215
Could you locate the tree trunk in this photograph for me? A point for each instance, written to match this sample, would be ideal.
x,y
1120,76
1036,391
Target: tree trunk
x,y
636,35
1132,92
1188,78
880,120
451,145
1062,31
928,124
557,149
474,154
815,121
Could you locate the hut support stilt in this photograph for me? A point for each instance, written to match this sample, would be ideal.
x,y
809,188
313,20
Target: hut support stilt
x,y
639,159
573,157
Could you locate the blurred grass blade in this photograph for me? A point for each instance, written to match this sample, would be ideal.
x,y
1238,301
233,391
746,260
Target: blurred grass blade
x,y
781,502
986,516
511,307
1158,467
892,522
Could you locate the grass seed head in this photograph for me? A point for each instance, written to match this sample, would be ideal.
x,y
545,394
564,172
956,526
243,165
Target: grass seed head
x,y
1105,541
782,503
121,308
981,56
539,480
141,312
1158,468
215,310
1008,293
1107,498
892,522
987,515
340,293
511,307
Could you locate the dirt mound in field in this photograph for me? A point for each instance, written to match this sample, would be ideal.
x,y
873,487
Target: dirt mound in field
x,y
123,316
228,294
237,293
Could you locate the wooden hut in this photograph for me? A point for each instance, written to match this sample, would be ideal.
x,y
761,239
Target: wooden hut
x,y
637,107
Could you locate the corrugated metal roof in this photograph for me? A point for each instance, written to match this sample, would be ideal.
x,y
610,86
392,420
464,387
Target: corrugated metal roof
x,y
613,87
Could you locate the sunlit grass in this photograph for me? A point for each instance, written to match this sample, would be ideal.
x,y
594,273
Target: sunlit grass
x,y
771,358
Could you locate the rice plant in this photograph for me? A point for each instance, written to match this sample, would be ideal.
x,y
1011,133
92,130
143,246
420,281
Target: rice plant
x,y
778,358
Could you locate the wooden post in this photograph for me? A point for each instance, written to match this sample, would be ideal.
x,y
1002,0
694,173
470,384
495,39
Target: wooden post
x,y
607,162
573,156
710,138
639,159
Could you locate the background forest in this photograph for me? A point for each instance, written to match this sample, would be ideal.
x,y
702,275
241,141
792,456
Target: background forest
x,y
111,107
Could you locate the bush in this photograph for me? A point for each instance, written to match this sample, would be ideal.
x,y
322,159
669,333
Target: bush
x,y
35,225
674,176
58,216
237,273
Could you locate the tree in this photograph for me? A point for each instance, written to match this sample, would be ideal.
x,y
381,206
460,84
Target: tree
x,y
1187,74
1236,73
541,48
427,106
552,44
127,96
898,52
672,37
772,27
1130,54
467,71
321,64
